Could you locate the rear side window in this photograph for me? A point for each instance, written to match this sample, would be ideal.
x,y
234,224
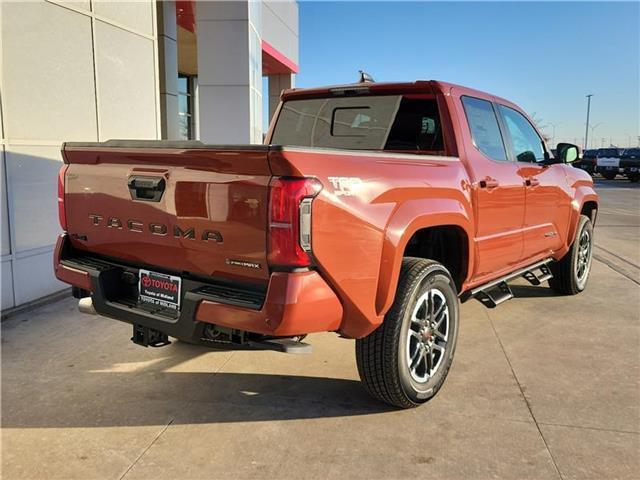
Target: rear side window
x,y
484,127
527,144
388,122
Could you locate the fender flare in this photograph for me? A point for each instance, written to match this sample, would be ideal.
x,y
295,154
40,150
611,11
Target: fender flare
x,y
403,225
583,195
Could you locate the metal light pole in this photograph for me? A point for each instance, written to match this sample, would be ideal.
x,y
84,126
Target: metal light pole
x,y
586,133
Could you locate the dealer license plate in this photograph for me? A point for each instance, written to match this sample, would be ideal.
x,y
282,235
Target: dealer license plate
x,y
159,289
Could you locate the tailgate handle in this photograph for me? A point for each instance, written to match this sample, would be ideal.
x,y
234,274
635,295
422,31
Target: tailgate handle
x,y
148,189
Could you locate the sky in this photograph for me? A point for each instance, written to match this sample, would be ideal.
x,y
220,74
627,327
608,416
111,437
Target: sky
x,y
543,56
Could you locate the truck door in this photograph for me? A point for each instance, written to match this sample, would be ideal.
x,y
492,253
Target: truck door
x,y
497,187
547,203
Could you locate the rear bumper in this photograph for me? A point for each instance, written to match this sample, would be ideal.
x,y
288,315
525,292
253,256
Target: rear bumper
x,y
293,303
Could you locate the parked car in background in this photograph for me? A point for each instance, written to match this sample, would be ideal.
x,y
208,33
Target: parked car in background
x,y
587,162
630,164
608,162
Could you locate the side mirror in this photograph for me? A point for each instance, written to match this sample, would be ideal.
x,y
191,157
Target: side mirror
x,y
527,156
567,152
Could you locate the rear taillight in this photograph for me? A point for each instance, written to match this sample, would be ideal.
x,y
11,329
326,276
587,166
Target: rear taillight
x,y
62,216
290,221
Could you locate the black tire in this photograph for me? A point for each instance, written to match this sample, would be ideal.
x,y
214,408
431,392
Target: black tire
x,y
634,177
609,175
566,278
383,357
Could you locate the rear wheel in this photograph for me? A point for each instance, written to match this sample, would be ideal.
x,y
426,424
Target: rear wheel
x,y
571,273
634,177
406,360
609,175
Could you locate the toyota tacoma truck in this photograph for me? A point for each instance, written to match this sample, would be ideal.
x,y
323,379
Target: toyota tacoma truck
x,y
372,210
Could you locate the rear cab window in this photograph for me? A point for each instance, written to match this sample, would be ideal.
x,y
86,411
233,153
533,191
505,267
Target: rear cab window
x,y
376,122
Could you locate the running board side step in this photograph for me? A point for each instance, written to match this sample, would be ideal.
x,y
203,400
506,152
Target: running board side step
x,y
494,296
497,291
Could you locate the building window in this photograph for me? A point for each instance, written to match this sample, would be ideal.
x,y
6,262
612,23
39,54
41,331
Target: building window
x,y
185,107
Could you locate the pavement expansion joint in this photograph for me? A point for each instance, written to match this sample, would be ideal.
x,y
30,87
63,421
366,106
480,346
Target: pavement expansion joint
x,y
155,439
524,397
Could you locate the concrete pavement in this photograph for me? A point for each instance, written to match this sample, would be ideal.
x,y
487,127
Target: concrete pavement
x,y
542,387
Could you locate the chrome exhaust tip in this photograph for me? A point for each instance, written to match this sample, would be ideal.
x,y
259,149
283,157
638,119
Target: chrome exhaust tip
x,y
85,305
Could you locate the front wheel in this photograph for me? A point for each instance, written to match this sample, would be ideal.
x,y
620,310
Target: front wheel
x,y
406,360
634,177
571,273
609,175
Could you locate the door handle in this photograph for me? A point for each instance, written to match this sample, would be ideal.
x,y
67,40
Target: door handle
x,y
489,183
531,182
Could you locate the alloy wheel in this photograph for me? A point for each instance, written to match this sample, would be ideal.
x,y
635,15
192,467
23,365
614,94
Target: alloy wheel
x,y
584,256
427,335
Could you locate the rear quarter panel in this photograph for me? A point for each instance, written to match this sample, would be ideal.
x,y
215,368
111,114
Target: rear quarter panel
x,y
370,206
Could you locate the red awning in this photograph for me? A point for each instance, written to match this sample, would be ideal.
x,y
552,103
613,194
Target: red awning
x,y
276,63
186,15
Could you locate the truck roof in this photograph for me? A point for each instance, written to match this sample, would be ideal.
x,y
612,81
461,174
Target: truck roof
x,y
418,86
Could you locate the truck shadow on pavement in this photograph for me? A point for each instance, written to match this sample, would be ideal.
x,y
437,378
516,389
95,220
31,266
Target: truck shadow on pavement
x,y
79,397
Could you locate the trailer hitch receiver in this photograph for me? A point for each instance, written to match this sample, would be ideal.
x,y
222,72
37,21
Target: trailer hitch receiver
x,y
148,337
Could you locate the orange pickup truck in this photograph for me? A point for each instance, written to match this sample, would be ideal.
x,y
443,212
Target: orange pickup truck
x,y
371,211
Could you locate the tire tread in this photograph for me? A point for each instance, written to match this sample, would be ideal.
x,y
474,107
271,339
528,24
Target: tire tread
x,y
563,280
376,355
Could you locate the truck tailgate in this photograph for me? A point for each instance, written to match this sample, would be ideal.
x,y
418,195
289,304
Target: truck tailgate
x,y
201,211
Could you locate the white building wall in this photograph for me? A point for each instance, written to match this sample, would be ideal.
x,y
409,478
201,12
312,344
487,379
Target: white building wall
x,y
280,30
229,71
280,26
91,71
82,71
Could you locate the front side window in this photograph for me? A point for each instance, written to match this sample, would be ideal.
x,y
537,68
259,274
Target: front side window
x,y
527,144
483,124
